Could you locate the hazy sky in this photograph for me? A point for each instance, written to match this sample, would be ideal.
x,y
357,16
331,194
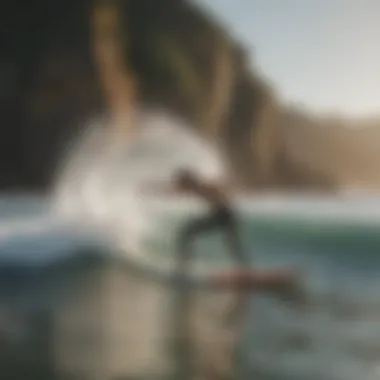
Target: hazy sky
x,y
324,54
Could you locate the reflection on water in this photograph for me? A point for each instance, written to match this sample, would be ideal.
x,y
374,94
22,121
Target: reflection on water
x,y
336,337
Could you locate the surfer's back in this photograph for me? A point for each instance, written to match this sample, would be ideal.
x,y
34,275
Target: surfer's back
x,y
212,193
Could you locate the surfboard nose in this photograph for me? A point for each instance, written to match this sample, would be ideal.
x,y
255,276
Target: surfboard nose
x,y
283,283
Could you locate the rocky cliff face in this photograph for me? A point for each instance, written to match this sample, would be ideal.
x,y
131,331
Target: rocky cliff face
x,y
180,60
346,151
50,85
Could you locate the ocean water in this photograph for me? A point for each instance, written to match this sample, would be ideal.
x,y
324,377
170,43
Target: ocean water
x,y
334,243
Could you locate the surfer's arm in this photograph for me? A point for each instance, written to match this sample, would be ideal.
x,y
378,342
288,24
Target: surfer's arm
x,y
157,188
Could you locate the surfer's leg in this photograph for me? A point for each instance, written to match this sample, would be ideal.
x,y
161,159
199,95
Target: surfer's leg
x,y
231,232
239,304
190,233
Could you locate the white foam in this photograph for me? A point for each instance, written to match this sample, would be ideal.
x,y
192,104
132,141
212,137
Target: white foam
x,y
105,186
28,227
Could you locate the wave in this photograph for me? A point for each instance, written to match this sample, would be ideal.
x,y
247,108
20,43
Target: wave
x,y
111,187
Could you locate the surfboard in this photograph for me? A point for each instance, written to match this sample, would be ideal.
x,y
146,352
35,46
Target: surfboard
x,y
252,280
283,282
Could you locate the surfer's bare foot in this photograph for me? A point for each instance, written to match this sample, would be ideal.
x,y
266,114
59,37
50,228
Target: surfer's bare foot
x,y
294,293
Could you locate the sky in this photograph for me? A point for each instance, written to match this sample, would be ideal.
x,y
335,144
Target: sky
x,y
323,54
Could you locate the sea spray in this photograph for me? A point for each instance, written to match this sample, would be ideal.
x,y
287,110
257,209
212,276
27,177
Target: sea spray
x,y
114,187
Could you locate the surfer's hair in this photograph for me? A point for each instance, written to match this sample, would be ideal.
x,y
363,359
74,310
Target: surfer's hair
x,y
186,176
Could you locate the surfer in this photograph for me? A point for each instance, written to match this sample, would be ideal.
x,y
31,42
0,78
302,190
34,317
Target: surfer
x,y
221,217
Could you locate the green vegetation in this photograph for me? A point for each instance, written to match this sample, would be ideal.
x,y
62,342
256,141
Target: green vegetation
x,y
175,58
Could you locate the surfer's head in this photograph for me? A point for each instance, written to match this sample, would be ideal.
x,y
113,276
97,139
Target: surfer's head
x,y
186,179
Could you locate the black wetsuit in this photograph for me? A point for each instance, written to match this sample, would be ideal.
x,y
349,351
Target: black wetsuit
x,y
221,218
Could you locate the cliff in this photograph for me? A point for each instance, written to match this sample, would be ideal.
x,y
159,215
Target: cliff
x,y
346,150
48,86
55,73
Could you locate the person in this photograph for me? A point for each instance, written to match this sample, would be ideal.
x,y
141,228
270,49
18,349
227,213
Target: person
x,y
221,217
